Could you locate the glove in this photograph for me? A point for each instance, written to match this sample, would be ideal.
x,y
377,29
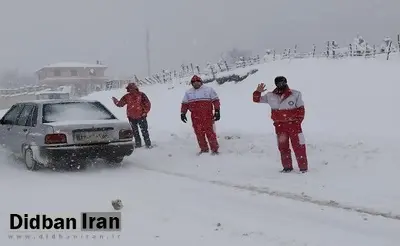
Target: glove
x,y
115,100
183,118
217,115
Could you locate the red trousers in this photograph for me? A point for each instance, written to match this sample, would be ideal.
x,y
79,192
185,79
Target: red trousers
x,y
291,131
204,130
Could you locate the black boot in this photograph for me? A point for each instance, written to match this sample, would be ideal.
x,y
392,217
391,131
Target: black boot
x,y
287,170
202,152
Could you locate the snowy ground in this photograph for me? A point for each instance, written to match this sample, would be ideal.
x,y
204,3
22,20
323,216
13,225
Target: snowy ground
x,y
173,197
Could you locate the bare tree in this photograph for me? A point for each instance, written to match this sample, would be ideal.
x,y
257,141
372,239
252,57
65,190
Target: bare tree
x,y
235,54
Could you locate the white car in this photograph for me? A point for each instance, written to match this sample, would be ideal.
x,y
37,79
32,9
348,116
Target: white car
x,y
58,133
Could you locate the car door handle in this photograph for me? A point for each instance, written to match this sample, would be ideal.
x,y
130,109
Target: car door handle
x,y
25,130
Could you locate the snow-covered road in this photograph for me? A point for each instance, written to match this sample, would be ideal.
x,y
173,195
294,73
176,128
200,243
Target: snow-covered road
x,y
162,209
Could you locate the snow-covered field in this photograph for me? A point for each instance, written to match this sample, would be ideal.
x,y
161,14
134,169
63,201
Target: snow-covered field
x,y
351,195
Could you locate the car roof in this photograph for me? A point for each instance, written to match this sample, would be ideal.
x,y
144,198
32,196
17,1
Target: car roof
x,y
56,101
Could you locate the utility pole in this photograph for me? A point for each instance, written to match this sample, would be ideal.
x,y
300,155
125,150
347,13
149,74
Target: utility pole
x,y
148,52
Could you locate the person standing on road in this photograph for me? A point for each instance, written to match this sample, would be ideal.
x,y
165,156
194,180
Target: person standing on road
x,y
137,107
287,113
203,103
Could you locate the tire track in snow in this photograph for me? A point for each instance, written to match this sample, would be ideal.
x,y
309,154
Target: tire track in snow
x,y
281,194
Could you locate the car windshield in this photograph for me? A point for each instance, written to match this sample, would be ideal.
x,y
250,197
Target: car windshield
x,y
75,111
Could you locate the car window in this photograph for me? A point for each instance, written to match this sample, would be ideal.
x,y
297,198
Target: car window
x,y
11,117
26,113
75,111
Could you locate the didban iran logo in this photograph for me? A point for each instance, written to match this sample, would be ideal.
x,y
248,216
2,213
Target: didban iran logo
x,y
87,221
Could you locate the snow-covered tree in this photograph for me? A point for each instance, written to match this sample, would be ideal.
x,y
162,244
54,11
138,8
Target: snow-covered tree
x,y
235,54
210,68
241,62
268,56
360,46
384,48
334,45
220,65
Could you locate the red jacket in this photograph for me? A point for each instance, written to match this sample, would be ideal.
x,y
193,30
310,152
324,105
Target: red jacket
x,y
201,103
285,107
137,104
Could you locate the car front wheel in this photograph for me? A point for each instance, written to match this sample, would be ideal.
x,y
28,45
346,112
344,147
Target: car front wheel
x,y
30,162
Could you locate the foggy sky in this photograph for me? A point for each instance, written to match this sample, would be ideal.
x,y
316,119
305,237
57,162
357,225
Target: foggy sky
x,y
38,32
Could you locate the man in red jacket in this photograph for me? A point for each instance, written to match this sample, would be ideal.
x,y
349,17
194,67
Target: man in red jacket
x,y
287,113
137,107
201,101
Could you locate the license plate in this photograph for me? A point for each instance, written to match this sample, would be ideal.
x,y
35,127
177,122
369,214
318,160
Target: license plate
x,y
99,136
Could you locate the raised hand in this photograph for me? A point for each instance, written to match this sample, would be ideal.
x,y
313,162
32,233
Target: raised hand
x,y
261,87
115,100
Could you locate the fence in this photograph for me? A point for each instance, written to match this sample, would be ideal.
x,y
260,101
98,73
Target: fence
x,y
359,47
10,96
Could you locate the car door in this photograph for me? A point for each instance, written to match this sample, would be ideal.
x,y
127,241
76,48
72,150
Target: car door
x,y
7,135
34,133
21,129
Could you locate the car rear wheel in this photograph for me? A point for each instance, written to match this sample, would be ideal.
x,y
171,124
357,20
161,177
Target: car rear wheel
x,y
30,162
